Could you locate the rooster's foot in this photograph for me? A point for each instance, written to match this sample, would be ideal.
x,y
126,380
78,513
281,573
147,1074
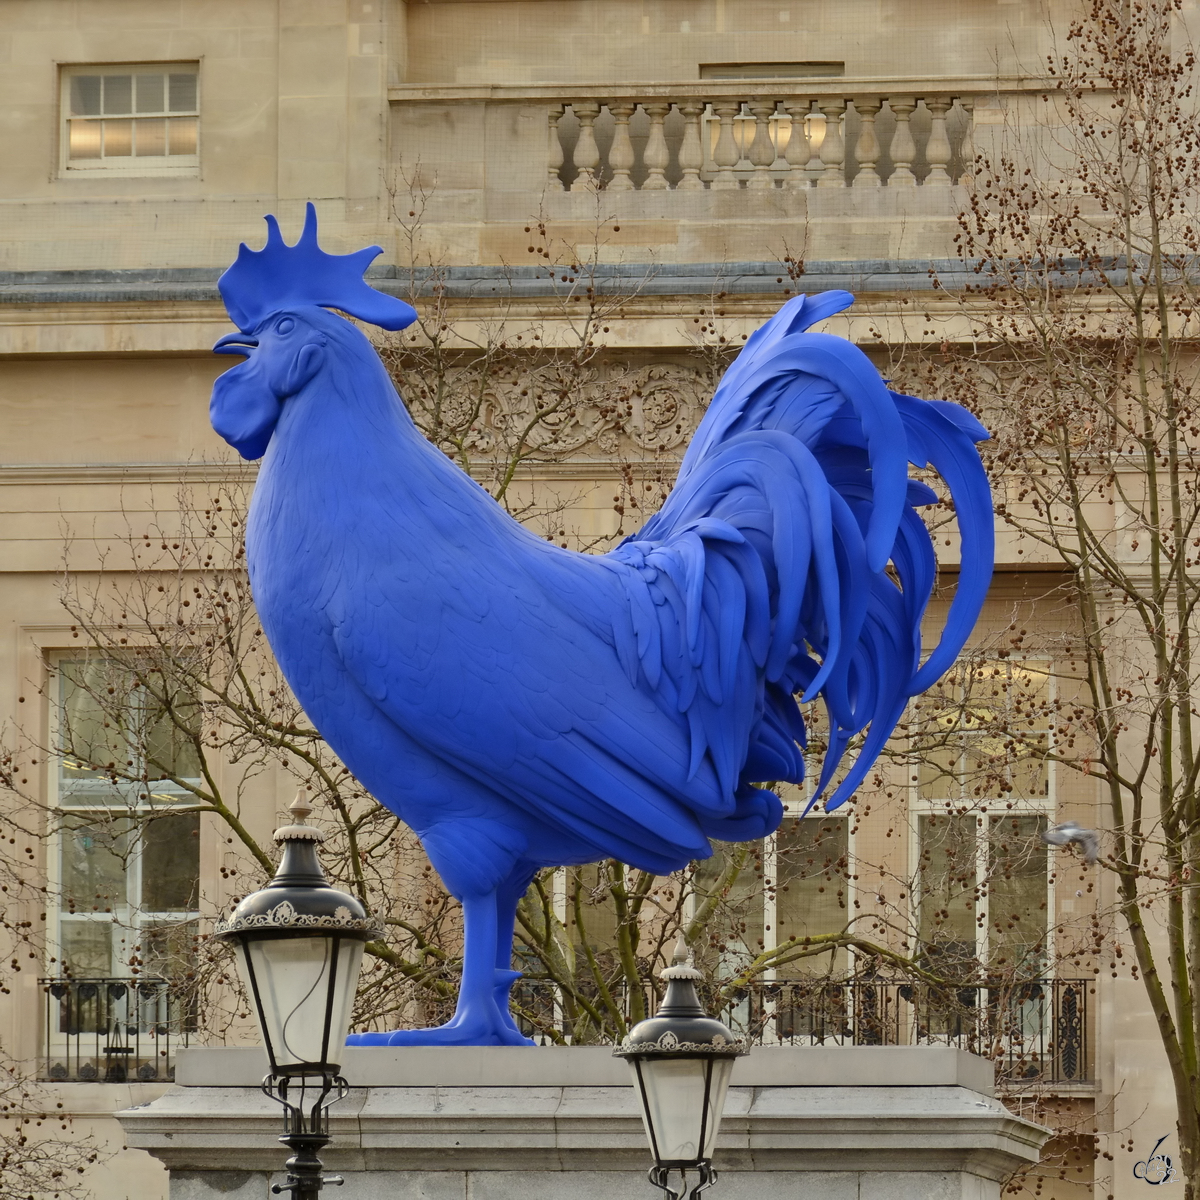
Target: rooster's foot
x,y
463,1033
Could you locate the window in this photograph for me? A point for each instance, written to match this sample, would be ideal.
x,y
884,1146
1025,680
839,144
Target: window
x,y
128,845
982,898
791,886
131,119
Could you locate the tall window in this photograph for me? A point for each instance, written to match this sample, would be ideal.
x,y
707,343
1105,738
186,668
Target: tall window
x,y
791,886
984,795
140,119
128,847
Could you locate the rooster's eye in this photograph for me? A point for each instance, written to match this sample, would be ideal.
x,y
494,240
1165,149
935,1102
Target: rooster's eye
x,y
285,326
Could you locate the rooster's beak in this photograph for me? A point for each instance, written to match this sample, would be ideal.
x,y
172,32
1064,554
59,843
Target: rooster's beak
x,y
236,343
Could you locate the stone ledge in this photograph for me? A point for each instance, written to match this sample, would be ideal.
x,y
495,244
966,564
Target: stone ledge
x,y
595,1066
828,1123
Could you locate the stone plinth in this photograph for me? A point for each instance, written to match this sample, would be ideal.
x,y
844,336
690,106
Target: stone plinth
x,y
864,1123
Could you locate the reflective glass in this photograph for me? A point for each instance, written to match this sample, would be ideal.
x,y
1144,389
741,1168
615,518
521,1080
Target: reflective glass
x,y
86,948
95,862
183,92
85,95
149,91
949,891
166,748
810,885
1017,894
150,137
171,863
84,139
118,139
92,731
118,94
182,135
168,948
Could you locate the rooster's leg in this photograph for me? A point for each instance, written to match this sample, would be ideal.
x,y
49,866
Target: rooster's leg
x,y
478,1020
508,896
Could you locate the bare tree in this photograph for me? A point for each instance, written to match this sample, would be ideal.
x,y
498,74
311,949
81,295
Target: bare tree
x,y
1083,231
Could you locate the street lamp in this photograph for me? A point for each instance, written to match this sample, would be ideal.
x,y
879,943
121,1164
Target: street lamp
x,y
299,945
681,1061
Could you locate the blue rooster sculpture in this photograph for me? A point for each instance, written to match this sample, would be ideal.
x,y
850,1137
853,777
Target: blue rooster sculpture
x,y
520,705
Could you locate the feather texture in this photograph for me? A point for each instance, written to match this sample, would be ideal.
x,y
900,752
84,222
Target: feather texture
x,y
520,705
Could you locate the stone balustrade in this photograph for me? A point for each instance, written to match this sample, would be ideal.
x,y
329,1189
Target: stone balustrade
x,y
758,135
770,140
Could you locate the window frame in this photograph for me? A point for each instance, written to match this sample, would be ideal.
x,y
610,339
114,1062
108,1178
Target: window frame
x,y
150,166
129,921
985,809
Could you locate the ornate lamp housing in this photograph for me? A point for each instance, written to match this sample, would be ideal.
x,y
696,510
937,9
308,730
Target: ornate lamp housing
x,y
681,1060
299,945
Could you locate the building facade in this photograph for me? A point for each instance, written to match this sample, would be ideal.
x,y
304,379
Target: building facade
x,y
693,162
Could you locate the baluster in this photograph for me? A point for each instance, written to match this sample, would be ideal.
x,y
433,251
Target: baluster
x,y
656,156
904,149
691,153
798,149
620,157
554,156
587,153
967,150
833,148
726,154
762,149
937,153
866,149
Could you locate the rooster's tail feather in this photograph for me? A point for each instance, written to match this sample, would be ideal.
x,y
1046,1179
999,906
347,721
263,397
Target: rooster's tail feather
x,y
790,558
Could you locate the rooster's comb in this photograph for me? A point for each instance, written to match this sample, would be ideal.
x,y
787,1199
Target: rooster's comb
x,y
278,276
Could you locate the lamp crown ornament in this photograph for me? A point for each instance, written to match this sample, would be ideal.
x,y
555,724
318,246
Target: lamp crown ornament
x,y
681,1060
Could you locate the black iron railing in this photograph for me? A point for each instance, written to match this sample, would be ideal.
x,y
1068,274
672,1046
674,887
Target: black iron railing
x,y
114,1030
1035,1031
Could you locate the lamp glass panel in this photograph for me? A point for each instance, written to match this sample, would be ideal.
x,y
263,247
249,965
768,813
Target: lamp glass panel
x,y
722,1070
674,1105
293,985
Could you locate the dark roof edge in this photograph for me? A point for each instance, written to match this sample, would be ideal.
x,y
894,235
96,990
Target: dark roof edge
x,y
198,284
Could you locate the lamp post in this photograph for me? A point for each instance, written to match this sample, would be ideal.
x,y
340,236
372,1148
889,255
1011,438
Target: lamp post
x,y
299,945
681,1060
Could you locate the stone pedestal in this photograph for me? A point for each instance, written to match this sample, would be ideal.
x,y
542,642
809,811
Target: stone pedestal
x,y
862,1123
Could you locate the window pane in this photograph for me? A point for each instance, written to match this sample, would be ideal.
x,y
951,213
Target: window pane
x,y
183,94
150,94
118,94
151,137
86,948
810,896
939,771
118,139
738,923
167,749
1017,894
85,95
95,863
92,733
590,884
85,139
182,135
171,863
1030,778
947,902
168,949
